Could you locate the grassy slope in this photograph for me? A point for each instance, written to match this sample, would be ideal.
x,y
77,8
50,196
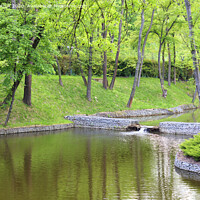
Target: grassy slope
x,y
50,102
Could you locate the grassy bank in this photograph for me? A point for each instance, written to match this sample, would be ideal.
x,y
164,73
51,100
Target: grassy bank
x,y
51,102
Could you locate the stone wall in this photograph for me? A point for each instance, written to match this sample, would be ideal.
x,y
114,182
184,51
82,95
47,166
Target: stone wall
x,y
185,163
179,128
146,112
35,129
102,122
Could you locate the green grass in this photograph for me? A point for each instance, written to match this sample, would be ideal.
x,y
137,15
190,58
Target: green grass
x,y
51,102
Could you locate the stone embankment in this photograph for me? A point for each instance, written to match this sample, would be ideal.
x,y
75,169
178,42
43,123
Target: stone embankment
x,y
35,129
146,112
103,122
179,128
186,163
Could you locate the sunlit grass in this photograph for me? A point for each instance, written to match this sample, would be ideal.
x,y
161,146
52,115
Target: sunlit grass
x,y
51,102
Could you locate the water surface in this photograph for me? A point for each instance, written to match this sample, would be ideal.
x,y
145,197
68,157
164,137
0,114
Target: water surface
x,y
92,164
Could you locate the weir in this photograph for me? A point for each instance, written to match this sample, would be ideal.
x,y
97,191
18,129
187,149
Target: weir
x,y
141,128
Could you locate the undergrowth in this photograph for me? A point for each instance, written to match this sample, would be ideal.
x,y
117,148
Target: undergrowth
x,y
191,147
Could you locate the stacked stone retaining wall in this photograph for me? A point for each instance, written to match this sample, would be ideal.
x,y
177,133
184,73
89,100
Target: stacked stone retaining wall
x,y
35,129
179,128
186,163
102,122
146,112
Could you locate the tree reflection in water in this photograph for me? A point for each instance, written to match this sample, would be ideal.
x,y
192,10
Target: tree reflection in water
x,y
91,164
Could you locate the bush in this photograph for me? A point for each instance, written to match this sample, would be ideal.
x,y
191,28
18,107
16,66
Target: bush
x,y
191,147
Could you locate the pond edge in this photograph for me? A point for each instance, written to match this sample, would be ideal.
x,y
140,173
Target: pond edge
x,y
118,114
186,163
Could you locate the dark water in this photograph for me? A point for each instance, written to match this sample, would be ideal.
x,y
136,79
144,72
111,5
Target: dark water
x,y
92,164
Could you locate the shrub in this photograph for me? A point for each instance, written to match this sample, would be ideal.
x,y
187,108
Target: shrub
x,y
191,147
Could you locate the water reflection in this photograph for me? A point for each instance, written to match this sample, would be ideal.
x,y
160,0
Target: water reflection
x,y
92,164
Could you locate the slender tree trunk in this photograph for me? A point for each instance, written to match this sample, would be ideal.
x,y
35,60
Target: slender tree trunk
x,y
78,57
174,63
163,62
194,96
27,90
90,69
15,85
169,66
118,48
144,45
138,62
82,72
164,92
59,72
13,4
192,43
105,81
111,37
70,62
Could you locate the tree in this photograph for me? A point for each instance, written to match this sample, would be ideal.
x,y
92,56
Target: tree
x,y
118,47
192,43
138,62
59,71
143,48
90,66
169,65
162,30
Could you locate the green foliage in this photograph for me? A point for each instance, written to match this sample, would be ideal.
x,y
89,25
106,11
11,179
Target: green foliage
x,y
191,147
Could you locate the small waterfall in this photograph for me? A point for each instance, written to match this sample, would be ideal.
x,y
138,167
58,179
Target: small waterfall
x,y
143,130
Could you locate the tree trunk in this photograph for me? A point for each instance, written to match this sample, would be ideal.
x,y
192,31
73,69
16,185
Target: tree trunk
x,y
174,63
105,81
13,4
145,40
15,85
90,69
164,92
169,66
111,38
70,62
192,43
82,73
59,72
28,78
163,62
118,48
194,96
138,62
78,57
27,90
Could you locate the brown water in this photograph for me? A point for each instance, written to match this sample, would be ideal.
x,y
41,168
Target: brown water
x,y
92,164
